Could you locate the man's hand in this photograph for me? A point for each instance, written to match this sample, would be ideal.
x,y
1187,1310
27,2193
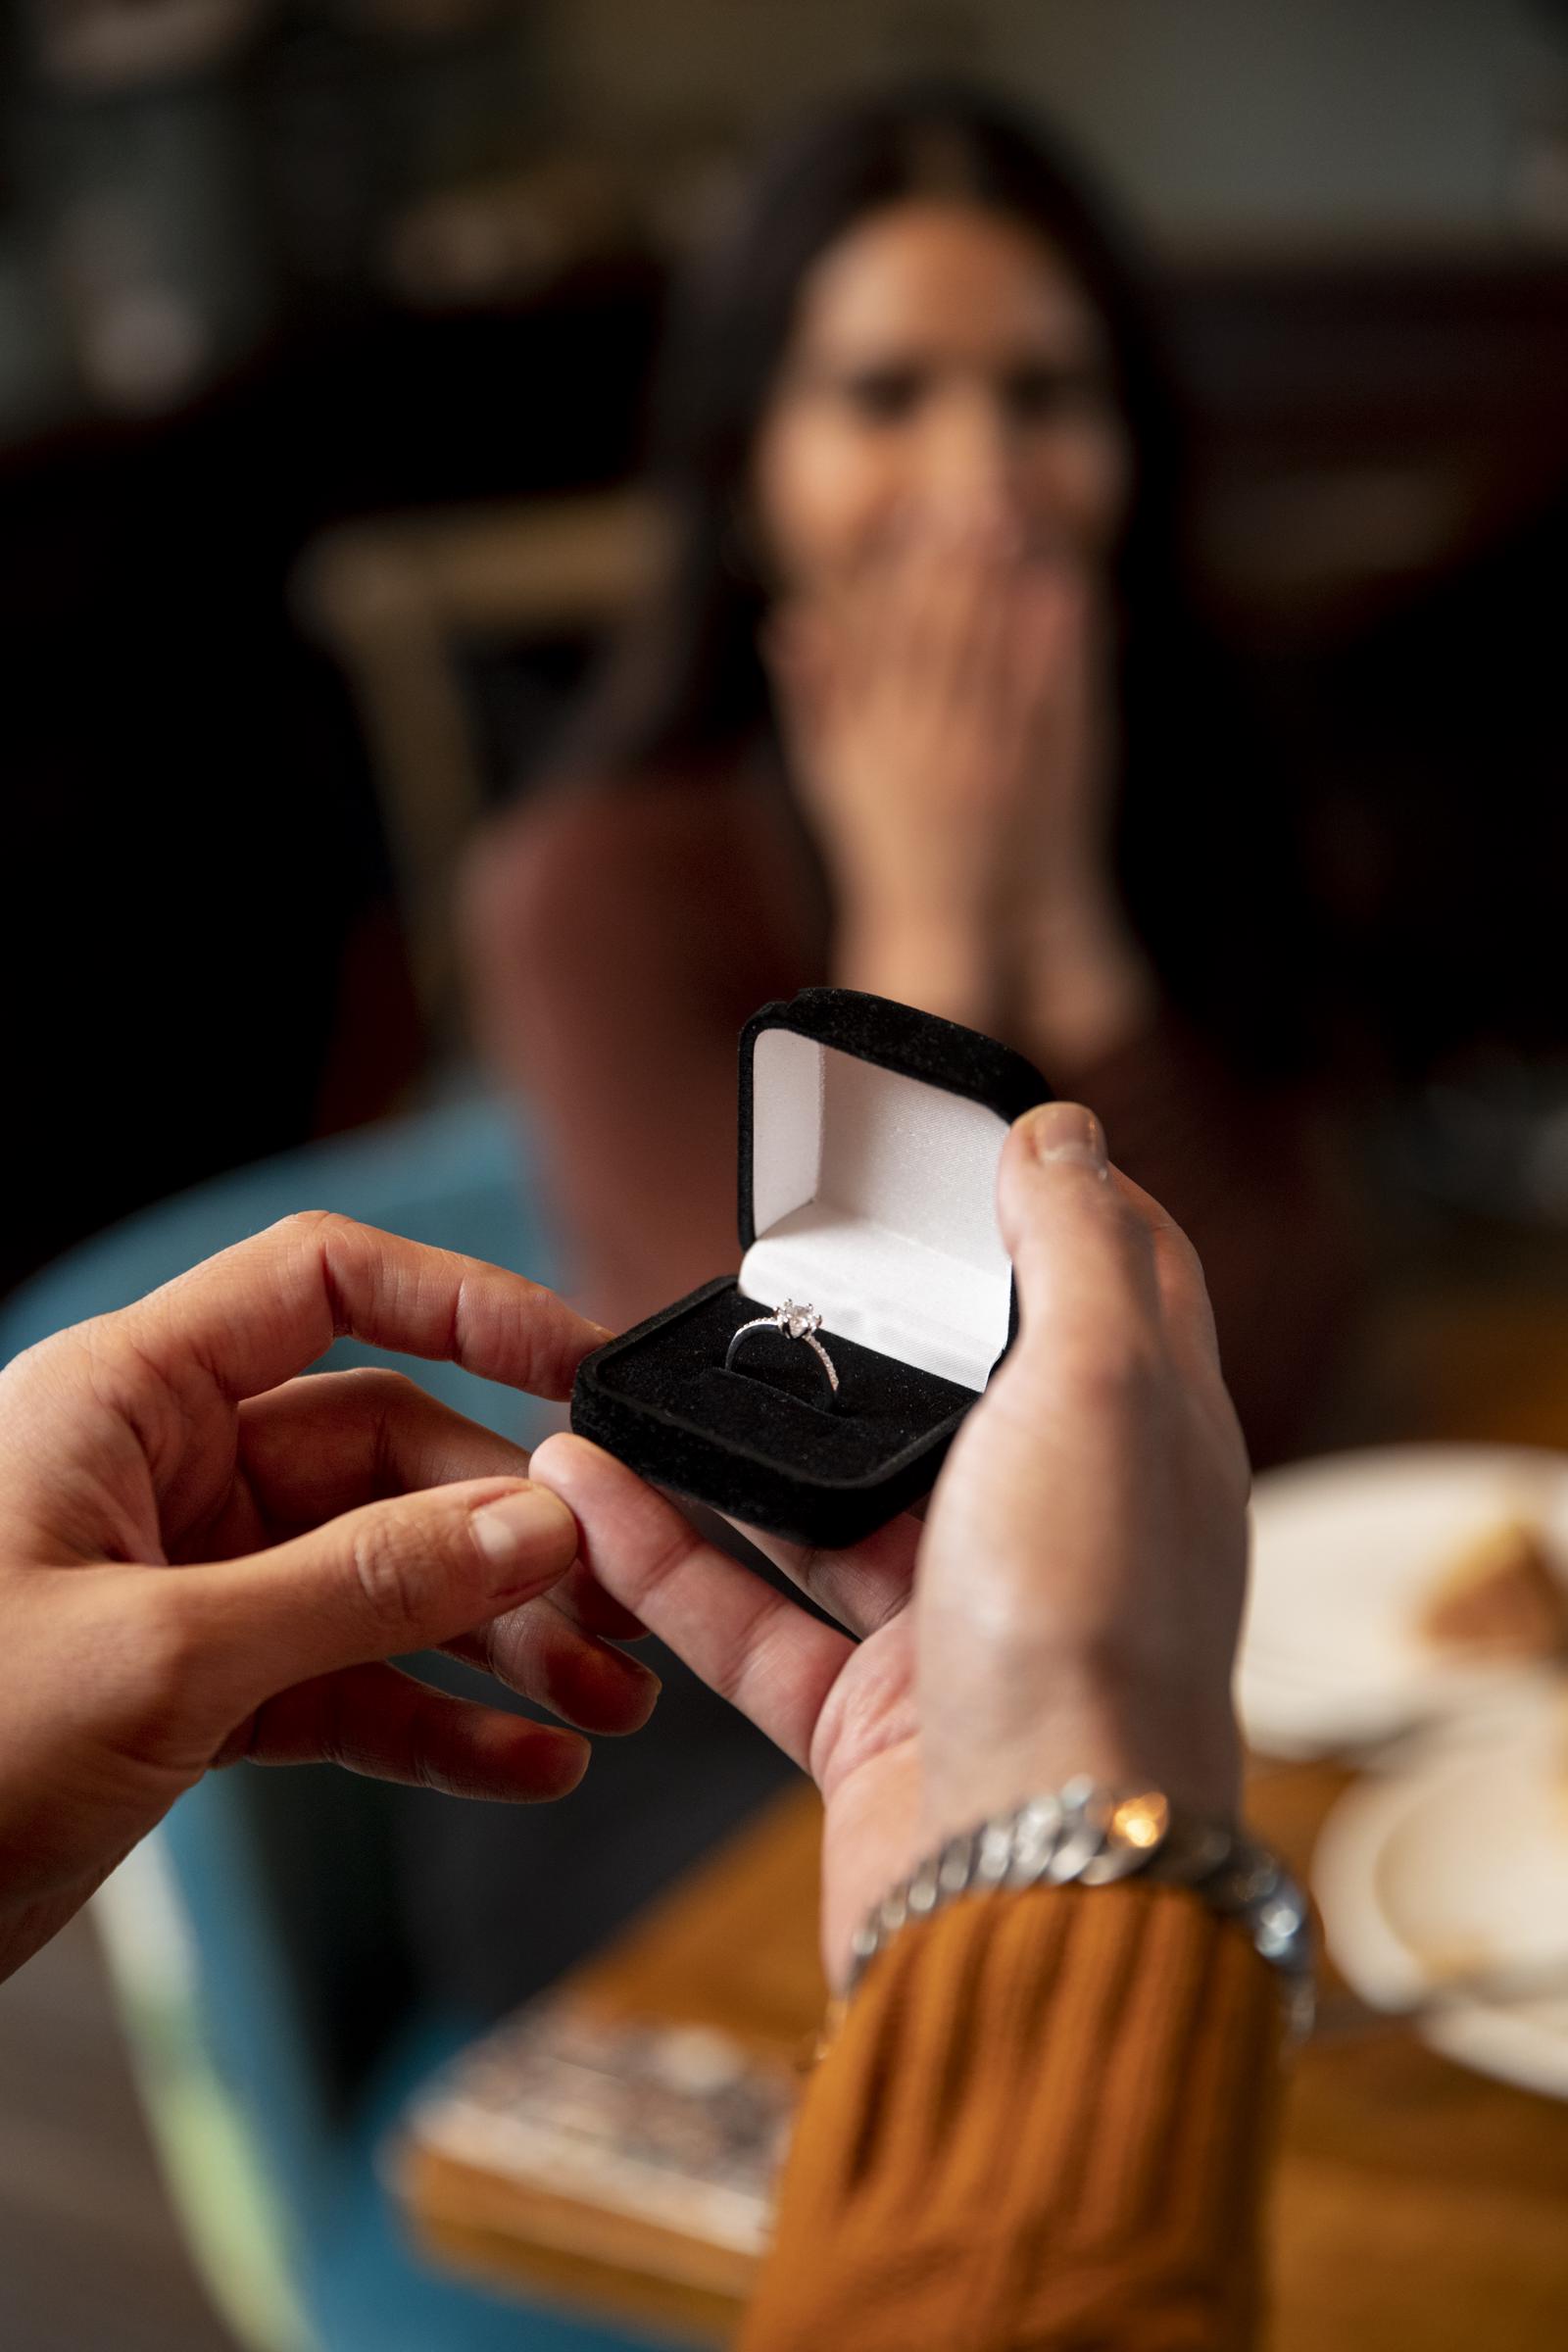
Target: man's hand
x,y
1073,1599
204,1557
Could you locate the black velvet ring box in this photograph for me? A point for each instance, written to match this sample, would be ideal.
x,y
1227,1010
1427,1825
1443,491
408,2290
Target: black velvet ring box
x,y
869,1136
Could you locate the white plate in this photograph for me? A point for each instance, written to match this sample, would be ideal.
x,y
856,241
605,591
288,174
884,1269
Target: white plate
x,y
1462,1864
1344,1552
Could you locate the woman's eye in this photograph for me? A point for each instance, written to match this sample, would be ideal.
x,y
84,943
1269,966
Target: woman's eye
x,y
1034,394
885,395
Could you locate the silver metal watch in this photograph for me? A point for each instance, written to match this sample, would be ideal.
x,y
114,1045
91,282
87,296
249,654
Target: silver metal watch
x,y
1091,1836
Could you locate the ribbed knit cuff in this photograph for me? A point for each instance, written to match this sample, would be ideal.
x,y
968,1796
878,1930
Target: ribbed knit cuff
x,y
1043,2123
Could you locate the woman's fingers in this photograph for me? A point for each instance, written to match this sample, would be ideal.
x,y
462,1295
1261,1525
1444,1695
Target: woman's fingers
x,y
951,590
986,684
538,1652
376,1720
798,645
747,1642
253,1316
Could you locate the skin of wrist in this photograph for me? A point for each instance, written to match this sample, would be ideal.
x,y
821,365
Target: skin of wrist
x,y
1069,977
1196,1760
941,898
929,960
1075,932
1085,984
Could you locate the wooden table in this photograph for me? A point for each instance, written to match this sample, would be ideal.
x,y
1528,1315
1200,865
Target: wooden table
x,y
1416,2204
732,1945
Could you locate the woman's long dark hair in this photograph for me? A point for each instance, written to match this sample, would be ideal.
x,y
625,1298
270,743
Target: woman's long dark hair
x,y
689,680
687,686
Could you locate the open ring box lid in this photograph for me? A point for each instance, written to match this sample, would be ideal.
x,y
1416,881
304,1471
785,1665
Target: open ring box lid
x,y
869,1136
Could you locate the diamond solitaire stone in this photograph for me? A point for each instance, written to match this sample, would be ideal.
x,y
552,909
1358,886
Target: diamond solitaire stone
x,y
793,1320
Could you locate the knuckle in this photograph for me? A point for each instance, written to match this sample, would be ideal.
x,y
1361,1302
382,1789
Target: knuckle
x,y
426,1761
1185,1252
334,1739
392,1562
74,1372
46,1359
667,1544
308,1225
334,1242
745,1658
390,1392
1119,1368
509,1646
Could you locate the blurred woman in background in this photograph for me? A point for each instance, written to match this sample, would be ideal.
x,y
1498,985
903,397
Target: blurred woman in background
x,y
922,705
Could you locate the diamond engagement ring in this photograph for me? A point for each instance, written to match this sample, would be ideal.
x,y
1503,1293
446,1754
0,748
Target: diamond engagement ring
x,y
793,1322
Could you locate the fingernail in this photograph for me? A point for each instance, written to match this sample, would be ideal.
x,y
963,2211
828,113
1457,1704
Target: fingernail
x,y
1067,1132
511,1530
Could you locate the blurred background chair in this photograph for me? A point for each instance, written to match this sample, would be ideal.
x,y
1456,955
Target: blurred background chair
x,y
450,627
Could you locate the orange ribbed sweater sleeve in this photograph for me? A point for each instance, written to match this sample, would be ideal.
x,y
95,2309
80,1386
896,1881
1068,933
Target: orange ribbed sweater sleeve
x,y
1044,2124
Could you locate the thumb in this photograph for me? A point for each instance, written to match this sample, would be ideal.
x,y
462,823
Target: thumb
x,y
396,1576
1082,1255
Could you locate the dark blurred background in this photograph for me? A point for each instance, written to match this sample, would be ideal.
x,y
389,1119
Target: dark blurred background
x,y
305,310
